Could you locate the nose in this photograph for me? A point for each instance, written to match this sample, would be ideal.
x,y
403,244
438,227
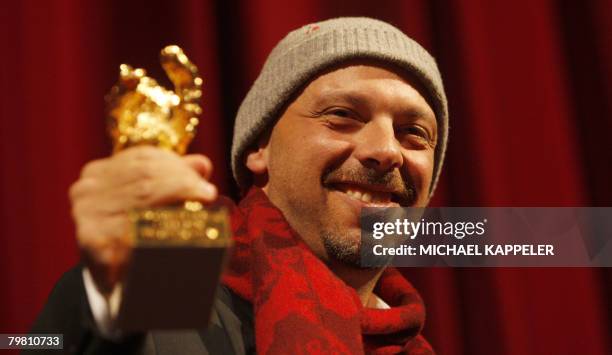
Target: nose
x,y
377,148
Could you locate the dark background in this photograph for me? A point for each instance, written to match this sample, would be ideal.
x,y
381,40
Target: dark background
x,y
529,85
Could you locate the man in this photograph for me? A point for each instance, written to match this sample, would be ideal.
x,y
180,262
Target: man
x,y
346,113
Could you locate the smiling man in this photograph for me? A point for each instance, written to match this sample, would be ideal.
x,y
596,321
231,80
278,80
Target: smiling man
x,y
346,113
358,135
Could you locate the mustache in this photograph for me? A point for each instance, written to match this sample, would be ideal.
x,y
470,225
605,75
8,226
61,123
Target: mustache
x,y
404,191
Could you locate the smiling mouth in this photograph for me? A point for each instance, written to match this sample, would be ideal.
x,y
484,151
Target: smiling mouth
x,y
368,195
371,188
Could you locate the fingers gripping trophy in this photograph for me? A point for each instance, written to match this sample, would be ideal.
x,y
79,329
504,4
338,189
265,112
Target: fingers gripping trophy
x,y
178,250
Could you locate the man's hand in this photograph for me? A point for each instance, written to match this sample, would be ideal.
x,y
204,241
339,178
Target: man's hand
x,y
138,177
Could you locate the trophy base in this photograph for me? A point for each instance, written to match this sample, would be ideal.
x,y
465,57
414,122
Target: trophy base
x,y
174,269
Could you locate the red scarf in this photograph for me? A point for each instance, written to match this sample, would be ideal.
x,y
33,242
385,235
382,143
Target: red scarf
x,y
300,306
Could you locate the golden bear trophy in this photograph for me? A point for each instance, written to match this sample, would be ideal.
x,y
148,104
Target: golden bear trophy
x,y
179,251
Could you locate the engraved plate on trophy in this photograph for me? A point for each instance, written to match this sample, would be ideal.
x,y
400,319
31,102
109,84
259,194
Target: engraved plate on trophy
x,y
179,250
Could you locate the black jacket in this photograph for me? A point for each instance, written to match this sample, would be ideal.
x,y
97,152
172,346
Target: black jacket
x,y
67,312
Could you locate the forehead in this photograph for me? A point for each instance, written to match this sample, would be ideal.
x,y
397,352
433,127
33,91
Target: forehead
x,y
367,80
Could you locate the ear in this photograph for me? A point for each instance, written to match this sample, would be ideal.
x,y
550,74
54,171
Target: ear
x,y
257,161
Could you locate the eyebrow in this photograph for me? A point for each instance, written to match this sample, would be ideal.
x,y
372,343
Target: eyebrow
x,y
351,97
414,112
357,99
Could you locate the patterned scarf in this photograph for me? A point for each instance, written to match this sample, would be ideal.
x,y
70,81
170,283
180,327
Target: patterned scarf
x,y
300,306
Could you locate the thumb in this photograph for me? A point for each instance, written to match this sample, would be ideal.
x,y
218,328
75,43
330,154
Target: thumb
x,y
201,164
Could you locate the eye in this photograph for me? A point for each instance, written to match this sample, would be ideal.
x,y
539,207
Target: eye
x,y
342,119
342,115
340,112
415,131
415,135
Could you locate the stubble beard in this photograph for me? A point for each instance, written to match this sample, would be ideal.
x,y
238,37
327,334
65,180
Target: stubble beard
x,y
338,244
342,248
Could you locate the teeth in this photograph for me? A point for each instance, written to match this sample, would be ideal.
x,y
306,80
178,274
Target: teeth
x,y
369,196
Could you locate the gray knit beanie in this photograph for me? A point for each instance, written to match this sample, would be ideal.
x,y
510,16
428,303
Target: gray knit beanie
x,y
307,51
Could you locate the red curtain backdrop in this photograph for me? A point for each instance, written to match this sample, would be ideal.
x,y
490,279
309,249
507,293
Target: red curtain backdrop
x,y
530,92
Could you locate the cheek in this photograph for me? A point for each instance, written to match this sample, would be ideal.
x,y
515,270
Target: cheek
x,y
420,166
298,158
305,151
